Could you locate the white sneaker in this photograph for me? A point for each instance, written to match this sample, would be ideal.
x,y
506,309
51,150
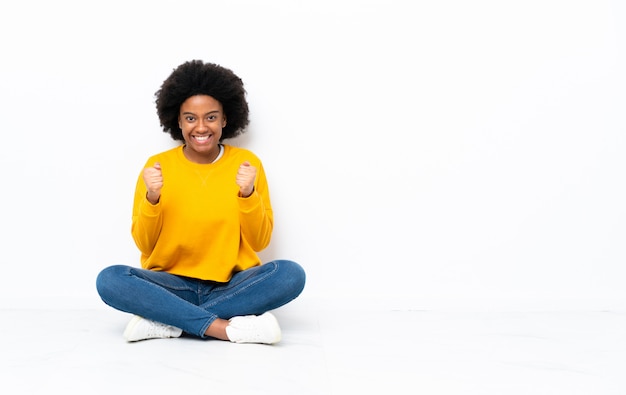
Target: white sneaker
x,y
254,329
140,328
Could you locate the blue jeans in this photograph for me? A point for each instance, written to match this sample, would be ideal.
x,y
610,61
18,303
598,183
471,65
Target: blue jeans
x,y
191,304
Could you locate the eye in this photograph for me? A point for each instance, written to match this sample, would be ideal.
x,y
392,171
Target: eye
x,y
190,118
212,117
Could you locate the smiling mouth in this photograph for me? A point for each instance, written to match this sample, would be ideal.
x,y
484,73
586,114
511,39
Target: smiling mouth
x,y
202,139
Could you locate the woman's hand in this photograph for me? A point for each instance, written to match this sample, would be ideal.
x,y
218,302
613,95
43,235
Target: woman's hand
x,y
245,179
153,177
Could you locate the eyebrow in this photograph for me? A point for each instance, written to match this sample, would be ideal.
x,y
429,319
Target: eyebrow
x,y
191,113
210,112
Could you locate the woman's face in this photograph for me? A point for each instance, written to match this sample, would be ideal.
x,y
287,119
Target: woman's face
x,y
201,119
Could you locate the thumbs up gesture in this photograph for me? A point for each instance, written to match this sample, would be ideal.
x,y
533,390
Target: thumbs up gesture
x,y
153,178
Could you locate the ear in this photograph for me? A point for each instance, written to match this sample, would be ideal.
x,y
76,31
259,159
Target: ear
x,y
224,121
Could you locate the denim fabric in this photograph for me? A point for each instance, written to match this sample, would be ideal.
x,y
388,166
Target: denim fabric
x,y
191,304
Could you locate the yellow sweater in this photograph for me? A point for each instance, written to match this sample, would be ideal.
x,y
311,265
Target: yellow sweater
x,y
200,227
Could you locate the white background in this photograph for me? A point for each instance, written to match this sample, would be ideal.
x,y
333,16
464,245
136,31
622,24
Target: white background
x,y
449,153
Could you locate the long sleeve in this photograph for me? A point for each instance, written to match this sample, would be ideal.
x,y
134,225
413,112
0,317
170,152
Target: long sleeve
x,y
200,227
147,220
257,220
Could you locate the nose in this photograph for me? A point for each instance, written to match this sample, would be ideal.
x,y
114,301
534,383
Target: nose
x,y
203,124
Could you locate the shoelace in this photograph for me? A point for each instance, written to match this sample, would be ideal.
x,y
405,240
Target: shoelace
x,y
158,329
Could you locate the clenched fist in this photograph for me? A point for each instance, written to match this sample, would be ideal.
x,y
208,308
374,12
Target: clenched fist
x,y
153,178
245,178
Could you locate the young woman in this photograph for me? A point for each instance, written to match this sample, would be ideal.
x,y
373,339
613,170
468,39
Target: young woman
x,y
201,213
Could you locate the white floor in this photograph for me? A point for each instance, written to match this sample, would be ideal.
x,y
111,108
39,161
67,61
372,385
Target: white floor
x,y
325,350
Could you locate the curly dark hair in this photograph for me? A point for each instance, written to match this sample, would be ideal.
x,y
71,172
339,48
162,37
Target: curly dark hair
x,y
196,77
